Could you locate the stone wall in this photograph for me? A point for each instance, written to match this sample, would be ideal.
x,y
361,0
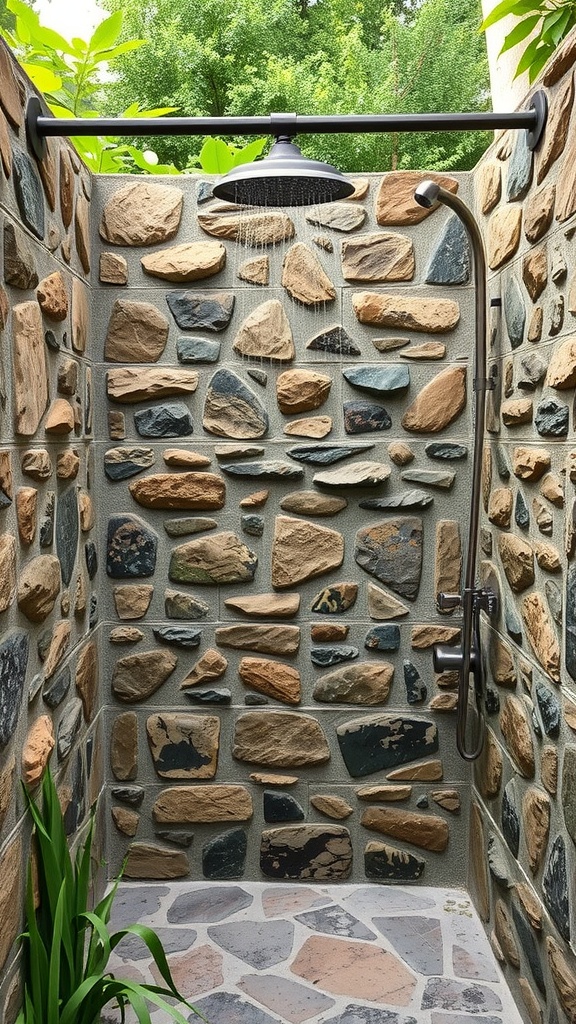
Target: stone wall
x,y
48,555
523,824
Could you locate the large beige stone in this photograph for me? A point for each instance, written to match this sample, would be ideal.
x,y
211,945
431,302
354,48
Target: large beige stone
x,y
87,679
504,230
309,426
53,297
26,513
132,600
38,587
425,830
395,203
8,570
439,403
274,679
560,62
142,212
530,463
38,746
11,894
535,272
517,557
518,735
400,312
212,560
538,212
500,506
502,663
124,747
146,860
60,419
536,825
530,904
563,972
200,491
138,676
139,385
184,746
211,665
383,606
266,334
137,333
113,268
448,562
562,366
279,739
541,633
556,132
186,805
566,181
379,256
332,806
266,606
59,644
191,261
30,380
301,390
265,639
256,271
302,550
254,229
488,185
304,278
367,683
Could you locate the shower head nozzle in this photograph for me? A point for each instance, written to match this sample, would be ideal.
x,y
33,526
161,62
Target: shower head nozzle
x,y
427,194
283,178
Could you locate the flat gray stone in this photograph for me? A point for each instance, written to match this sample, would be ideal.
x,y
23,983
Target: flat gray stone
x,y
431,477
447,994
418,940
379,380
261,944
209,904
336,921
325,454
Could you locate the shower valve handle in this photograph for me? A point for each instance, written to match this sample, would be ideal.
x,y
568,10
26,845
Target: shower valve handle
x,y
447,602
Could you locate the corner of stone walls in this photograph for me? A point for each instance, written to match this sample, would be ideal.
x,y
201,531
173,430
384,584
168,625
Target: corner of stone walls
x,y
523,823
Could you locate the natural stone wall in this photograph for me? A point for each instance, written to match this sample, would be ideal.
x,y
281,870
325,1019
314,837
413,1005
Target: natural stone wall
x,y
523,835
49,699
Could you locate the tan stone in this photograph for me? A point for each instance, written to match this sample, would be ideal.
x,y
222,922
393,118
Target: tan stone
x,y
448,799
500,507
271,779
7,570
556,133
535,324
395,203
562,367
518,735
505,933
6,473
301,390
186,805
59,644
68,377
190,261
113,268
478,863
279,739
536,822
503,234
137,333
132,600
379,256
535,272
530,463
266,334
256,271
530,904
124,747
199,734
541,634
560,62
37,749
538,212
434,316
552,488
66,187
82,230
488,774
265,639
138,676
80,316
38,587
268,606
488,185
445,703
6,148
142,213
562,972
146,860
211,665
311,503
439,402
53,297
11,879
547,556
67,464
427,831
383,606
116,425
60,418
302,550
125,635
30,368
502,664
549,769
310,426
181,457
304,278
125,820
334,807
400,453
427,771
428,350
213,560
425,636
384,794
367,684
255,229
201,491
274,679
6,787
139,385
448,563
569,710
87,679
517,559
26,509
530,1001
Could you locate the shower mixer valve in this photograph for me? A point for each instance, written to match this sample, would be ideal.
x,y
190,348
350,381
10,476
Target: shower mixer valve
x,y
448,658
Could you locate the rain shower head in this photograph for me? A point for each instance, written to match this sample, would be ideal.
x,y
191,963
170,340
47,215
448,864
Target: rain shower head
x,y
283,178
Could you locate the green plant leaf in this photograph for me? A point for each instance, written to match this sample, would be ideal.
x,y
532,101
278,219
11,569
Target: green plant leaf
x,y
215,156
43,78
527,57
502,10
26,14
106,33
49,38
519,32
555,27
540,60
117,51
246,154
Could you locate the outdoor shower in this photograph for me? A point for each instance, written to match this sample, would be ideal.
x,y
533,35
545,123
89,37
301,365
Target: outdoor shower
x,y
286,178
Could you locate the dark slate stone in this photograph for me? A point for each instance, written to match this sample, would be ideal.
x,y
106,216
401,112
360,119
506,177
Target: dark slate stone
x,y
197,350
501,460
555,887
225,855
94,613
226,1008
66,531
554,599
335,340
416,689
43,643
52,341
131,548
46,531
379,380
174,940
91,557
325,656
326,454
550,709
194,610
76,809
450,263
255,700
260,376
365,417
536,724
512,620
34,686
394,865
406,499
392,552
271,469
385,741
383,638
227,385
569,789
178,837
29,193
422,802
5,500
570,642
519,169
56,689
201,311
13,663
286,858
510,819
252,524
354,1014
171,419
551,418
521,513
486,541
497,862
514,312
205,192
131,795
178,636
125,469
19,268
446,450
529,946
207,905
179,755
221,695
68,728
492,701
281,807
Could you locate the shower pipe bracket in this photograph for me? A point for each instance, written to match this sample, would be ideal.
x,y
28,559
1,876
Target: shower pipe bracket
x,y
40,125
483,384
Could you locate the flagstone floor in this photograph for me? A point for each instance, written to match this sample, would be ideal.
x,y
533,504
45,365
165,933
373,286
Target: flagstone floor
x,y
259,953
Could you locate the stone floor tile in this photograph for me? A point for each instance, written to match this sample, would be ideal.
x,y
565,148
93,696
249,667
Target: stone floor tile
x,y
354,969
132,947
473,963
386,900
335,921
195,972
135,903
446,994
462,1018
354,1014
208,903
278,900
226,1008
418,940
261,944
293,1002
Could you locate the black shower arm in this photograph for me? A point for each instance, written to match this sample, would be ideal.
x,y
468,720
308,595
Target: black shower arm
x,y
40,126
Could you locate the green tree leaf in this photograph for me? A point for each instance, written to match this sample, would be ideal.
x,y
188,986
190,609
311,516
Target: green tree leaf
x,y
519,32
506,7
106,33
43,78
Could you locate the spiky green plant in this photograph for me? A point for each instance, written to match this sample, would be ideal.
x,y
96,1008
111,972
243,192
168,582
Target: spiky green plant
x,y
67,946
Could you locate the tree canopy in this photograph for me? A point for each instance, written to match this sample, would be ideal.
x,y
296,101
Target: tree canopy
x,y
248,57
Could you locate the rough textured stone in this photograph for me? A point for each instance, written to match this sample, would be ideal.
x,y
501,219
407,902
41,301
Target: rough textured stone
x,y
395,203
19,265
517,558
256,271
147,860
113,268
190,261
356,474
38,587
282,739
137,333
304,278
26,508
138,676
518,735
30,368
538,212
562,972
231,409
311,503
189,804
309,426
434,316
379,380
489,185
306,852
562,367
184,746
439,402
541,634
172,419
385,862
254,229
503,235
427,831
378,742
383,606
11,888
198,491
37,749
334,807
514,312
367,683
450,261
131,547
128,385
52,297
381,256
536,822
337,216
266,334
28,191
266,639
552,418
13,664
335,599
272,678
392,552
302,551
212,560
301,390
268,606
8,571
530,463
121,463
142,213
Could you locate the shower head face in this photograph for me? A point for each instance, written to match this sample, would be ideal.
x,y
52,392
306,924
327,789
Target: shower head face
x,y
283,178
427,194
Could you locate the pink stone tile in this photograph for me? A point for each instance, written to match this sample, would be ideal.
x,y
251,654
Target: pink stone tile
x,y
470,963
279,900
354,969
293,1002
196,971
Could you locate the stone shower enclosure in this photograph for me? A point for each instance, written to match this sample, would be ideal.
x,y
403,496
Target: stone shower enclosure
x,y
234,473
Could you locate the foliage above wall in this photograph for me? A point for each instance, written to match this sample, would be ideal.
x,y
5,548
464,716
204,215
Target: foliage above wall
x,y
550,20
